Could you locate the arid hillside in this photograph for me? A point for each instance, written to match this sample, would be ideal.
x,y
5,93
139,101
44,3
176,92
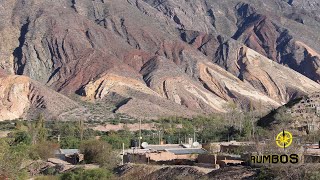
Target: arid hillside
x,y
156,58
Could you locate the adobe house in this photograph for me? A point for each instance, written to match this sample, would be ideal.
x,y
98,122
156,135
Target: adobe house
x,y
219,160
162,155
226,153
212,147
229,147
187,153
207,158
147,157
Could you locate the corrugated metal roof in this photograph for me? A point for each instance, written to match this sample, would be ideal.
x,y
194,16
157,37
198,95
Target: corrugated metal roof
x,y
187,151
136,151
163,147
69,151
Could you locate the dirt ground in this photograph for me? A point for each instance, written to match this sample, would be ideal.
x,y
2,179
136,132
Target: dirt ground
x,y
151,172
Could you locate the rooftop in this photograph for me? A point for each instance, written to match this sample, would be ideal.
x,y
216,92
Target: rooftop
x,y
163,147
181,151
137,151
67,151
236,143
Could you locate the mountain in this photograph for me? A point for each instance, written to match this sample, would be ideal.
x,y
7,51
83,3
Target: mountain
x,y
163,58
20,93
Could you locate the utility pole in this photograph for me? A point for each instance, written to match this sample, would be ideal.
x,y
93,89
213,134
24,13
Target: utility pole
x,y
194,134
159,137
122,154
253,129
81,128
140,137
241,122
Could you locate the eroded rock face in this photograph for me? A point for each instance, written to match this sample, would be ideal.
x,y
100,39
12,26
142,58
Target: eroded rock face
x,y
175,58
19,94
113,83
271,28
14,97
273,79
282,41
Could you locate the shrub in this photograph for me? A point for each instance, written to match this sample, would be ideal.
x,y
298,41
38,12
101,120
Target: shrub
x,y
21,137
47,178
92,174
100,152
43,150
70,142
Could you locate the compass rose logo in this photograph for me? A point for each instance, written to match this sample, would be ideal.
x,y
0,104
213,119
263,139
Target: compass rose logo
x,y
284,139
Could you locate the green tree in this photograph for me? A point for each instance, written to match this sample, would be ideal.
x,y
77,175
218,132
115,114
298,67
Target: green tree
x,y
11,159
21,137
247,129
42,131
70,142
100,152
37,130
43,150
117,138
81,128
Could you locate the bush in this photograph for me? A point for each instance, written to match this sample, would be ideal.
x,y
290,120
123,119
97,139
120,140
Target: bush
x,y
11,158
116,140
21,137
43,150
115,121
265,174
96,174
92,174
70,142
47,178
100,152
50,171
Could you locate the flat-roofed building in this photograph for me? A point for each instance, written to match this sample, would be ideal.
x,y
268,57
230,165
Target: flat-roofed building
x,y
160,153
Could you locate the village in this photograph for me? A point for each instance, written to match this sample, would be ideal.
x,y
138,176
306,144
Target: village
x,y
112,150
211,155
199,143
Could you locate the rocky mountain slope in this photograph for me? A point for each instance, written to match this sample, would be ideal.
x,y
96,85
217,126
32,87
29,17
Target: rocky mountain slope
x,y
164,58
23,97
